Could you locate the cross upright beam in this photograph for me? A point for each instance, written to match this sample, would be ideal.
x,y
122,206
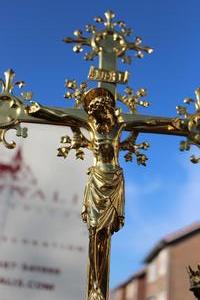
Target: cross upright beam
x,y
96,110
108,44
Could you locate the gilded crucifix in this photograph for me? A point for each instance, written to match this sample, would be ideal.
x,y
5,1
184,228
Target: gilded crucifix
x,y
96,111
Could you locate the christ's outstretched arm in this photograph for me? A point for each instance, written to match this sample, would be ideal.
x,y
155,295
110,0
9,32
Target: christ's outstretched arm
x,y
155,124
57,116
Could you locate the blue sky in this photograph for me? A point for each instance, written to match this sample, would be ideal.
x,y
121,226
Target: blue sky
x,y
163,196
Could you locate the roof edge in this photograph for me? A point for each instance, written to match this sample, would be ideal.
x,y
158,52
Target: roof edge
x,y
170,239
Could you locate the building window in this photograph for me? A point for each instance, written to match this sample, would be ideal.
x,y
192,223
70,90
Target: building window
x,y
152,272
162,295
117,295
163,262
131,290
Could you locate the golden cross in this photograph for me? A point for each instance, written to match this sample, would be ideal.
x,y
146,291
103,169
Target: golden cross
x,y
96,111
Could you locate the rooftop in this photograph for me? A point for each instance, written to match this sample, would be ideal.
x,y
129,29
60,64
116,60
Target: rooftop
x,y
172,238
169,239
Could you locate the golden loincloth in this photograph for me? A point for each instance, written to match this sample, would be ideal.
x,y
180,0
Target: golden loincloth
x,y
104,199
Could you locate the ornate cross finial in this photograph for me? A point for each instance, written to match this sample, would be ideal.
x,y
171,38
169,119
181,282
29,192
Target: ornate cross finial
x,y
132,99
109,43
77,142
195,281
75,92
8,84
193,124
118,30
11,104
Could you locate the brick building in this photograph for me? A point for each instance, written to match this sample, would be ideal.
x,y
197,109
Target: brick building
x,y
132,289
164,276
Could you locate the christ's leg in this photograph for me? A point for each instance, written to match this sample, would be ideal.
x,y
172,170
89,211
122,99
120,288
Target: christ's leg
x,y
99,262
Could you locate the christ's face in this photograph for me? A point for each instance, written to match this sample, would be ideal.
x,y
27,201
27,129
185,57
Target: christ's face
x,y
101,109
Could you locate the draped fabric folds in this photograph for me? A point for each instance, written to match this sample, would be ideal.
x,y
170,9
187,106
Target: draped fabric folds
x,y
104,199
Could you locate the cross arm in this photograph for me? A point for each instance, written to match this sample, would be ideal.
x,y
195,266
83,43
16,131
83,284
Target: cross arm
x,y
156,124
13,111
72,117
189,126
21,109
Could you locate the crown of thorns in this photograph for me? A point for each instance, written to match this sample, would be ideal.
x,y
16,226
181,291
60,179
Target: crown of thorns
x,y
98,96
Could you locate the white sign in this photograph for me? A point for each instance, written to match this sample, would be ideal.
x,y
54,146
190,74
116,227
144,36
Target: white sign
x,y
43,245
